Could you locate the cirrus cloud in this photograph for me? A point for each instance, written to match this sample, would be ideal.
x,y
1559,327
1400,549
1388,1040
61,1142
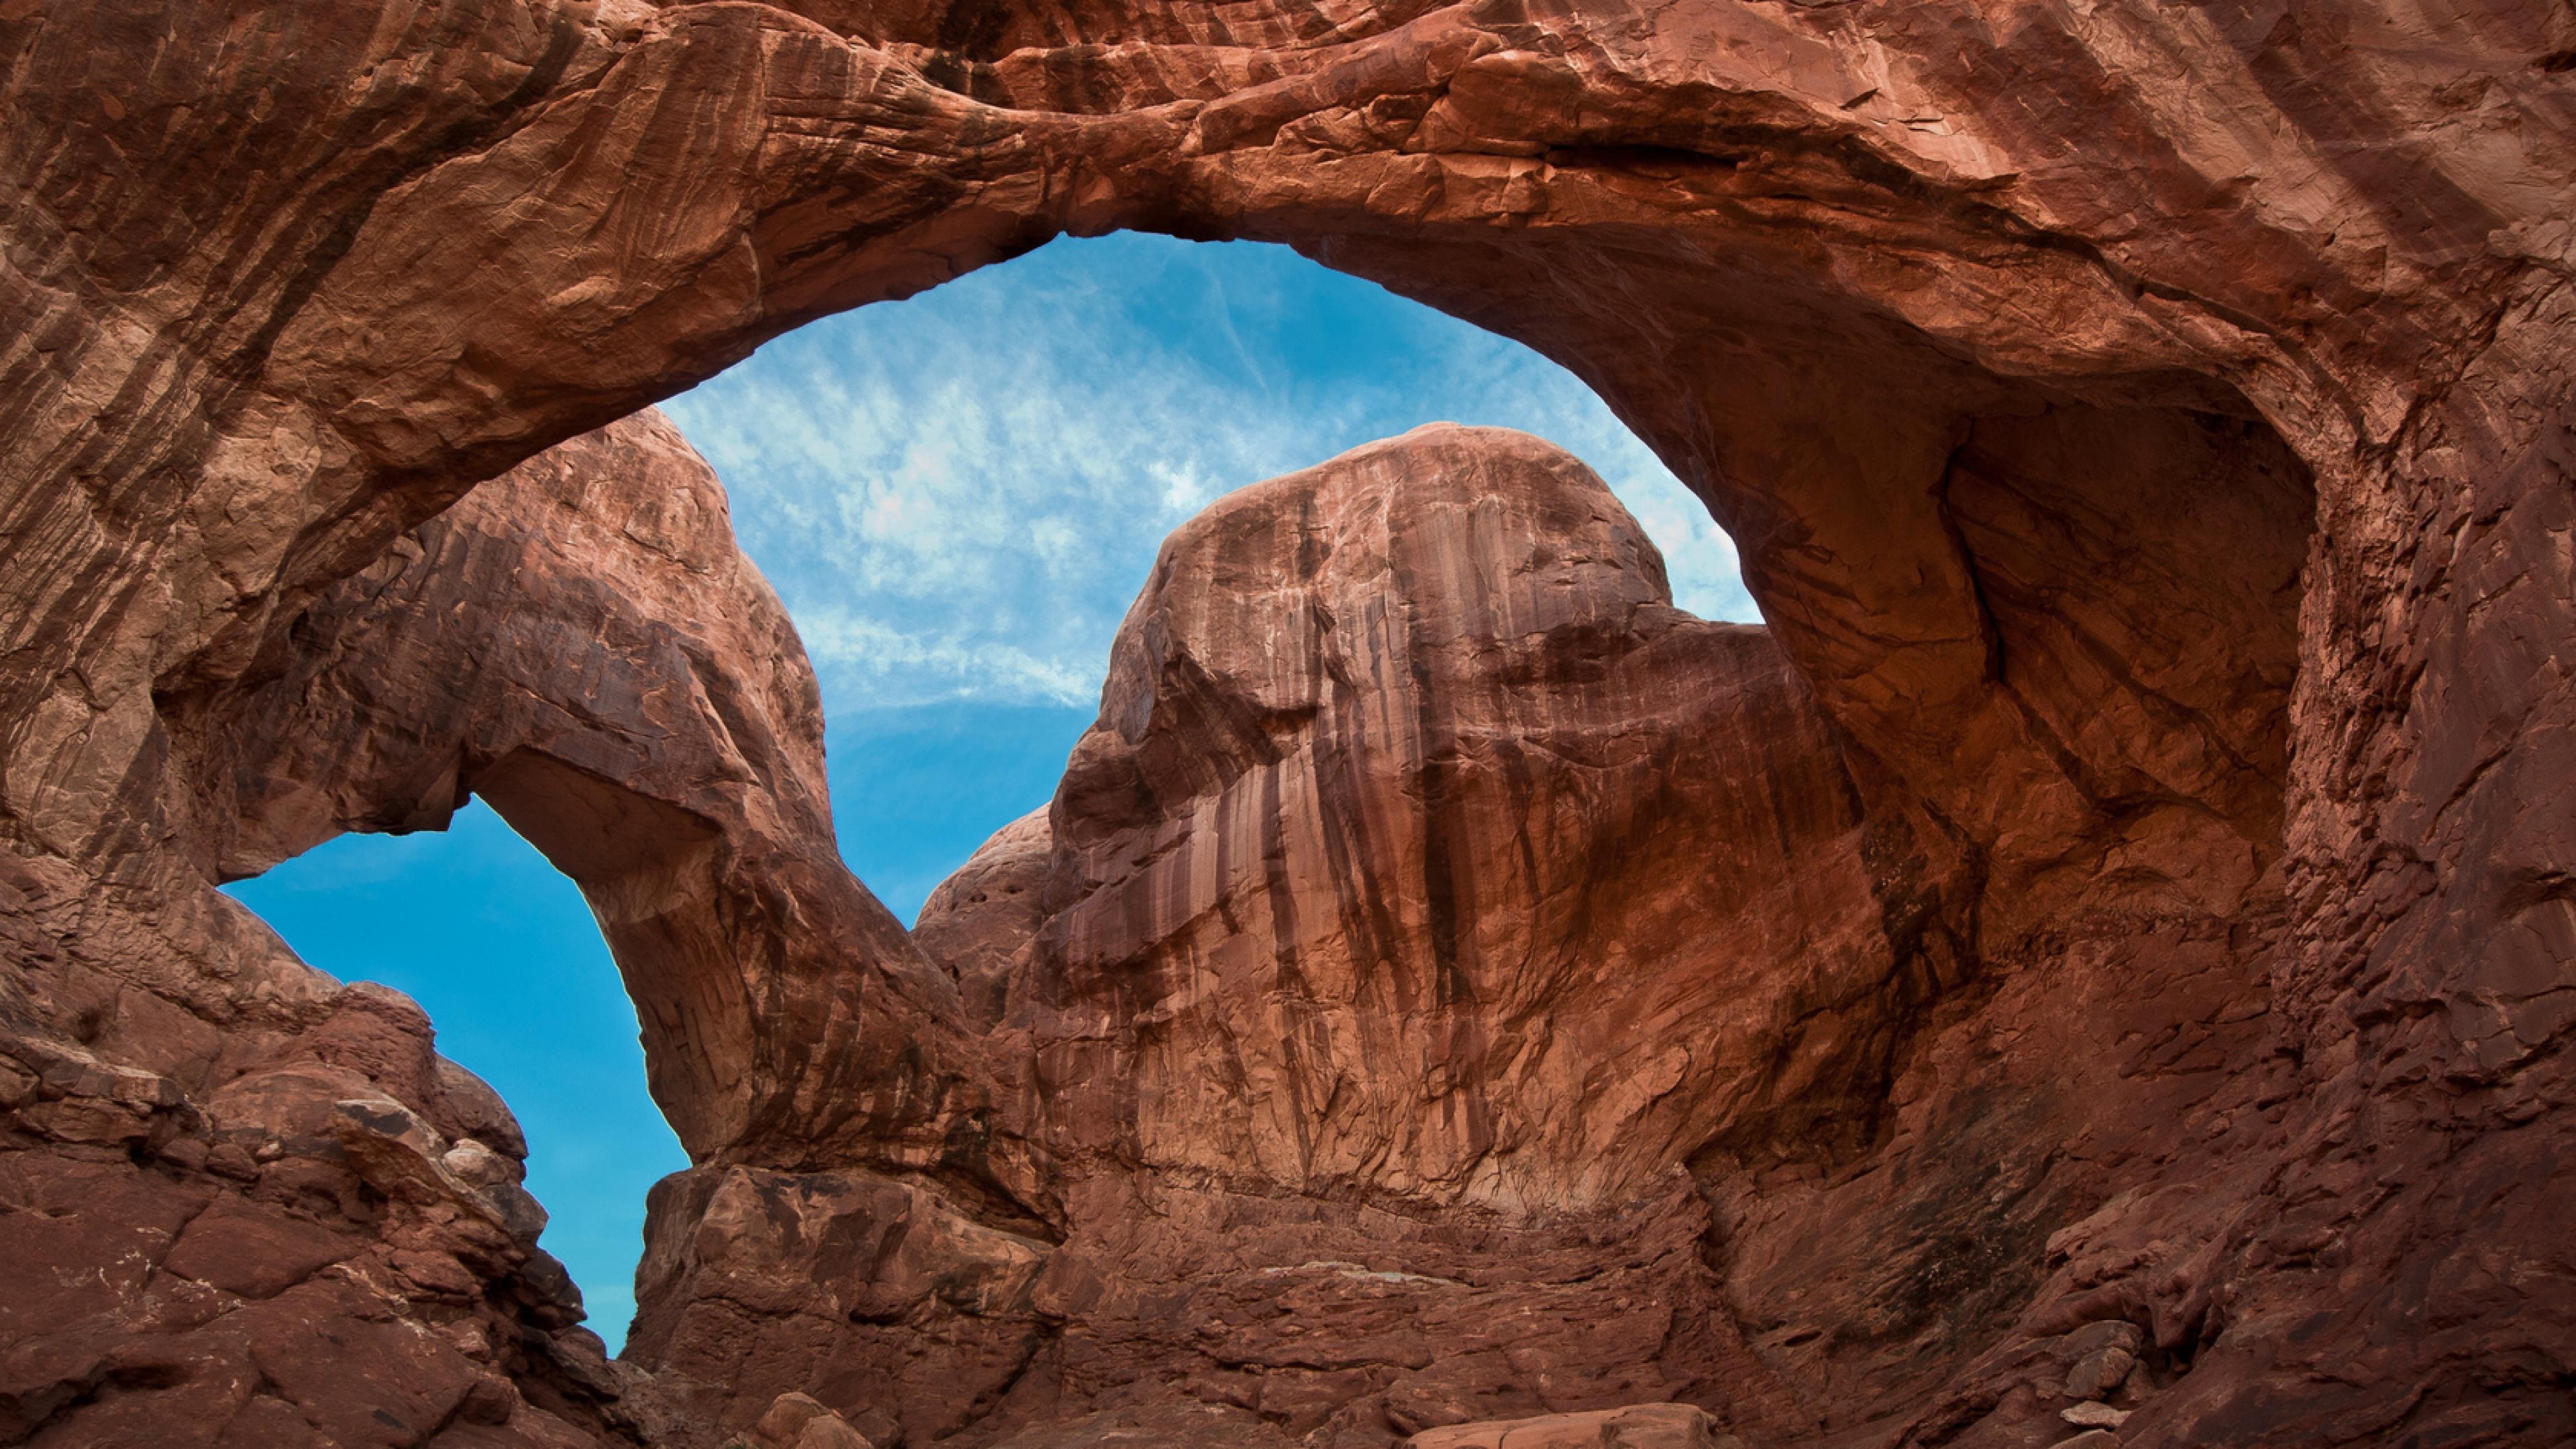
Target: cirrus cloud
x,y
958,494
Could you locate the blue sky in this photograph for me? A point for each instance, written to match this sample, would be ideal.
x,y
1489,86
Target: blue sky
x,y
958,496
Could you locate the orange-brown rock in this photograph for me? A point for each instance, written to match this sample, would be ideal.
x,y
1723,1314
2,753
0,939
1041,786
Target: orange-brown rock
x,y
1423,848
583,646
1642,1426
2147,429
1424,857
325,1240
1429,893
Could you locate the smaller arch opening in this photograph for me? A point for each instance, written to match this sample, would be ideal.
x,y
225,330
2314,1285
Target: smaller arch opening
x,y
499,948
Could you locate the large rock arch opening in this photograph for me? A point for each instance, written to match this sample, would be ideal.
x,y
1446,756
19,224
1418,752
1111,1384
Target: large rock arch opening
x,y
2019,364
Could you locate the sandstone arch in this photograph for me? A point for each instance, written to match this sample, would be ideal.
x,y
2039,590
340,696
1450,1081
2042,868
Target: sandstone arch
x,y
1885,282
582,645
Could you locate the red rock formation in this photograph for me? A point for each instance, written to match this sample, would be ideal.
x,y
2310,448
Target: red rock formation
x,y
1429,892
244,1204
2147,431
326,1231
1423,848
586,649
1424,857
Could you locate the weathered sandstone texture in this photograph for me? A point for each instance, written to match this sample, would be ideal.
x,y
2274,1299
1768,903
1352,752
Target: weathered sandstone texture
x,y
248,1206
1428,895
1642,1426
1500,963
2148,430
1422,847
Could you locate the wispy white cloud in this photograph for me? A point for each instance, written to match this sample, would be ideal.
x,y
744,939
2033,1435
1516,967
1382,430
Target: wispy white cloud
x,y
958,495
912,665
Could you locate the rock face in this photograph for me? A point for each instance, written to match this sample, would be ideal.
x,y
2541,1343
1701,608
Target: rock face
x,y
244,1204
1438,930
588,651
2148,433
1428,894
316,1224
1644,1426
1423,848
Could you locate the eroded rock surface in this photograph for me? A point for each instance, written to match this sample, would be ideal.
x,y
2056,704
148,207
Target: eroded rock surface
x,y
1643,1426
1423,848
1429,891
315,1223
245,1204
586,649
2148,434
1453,985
